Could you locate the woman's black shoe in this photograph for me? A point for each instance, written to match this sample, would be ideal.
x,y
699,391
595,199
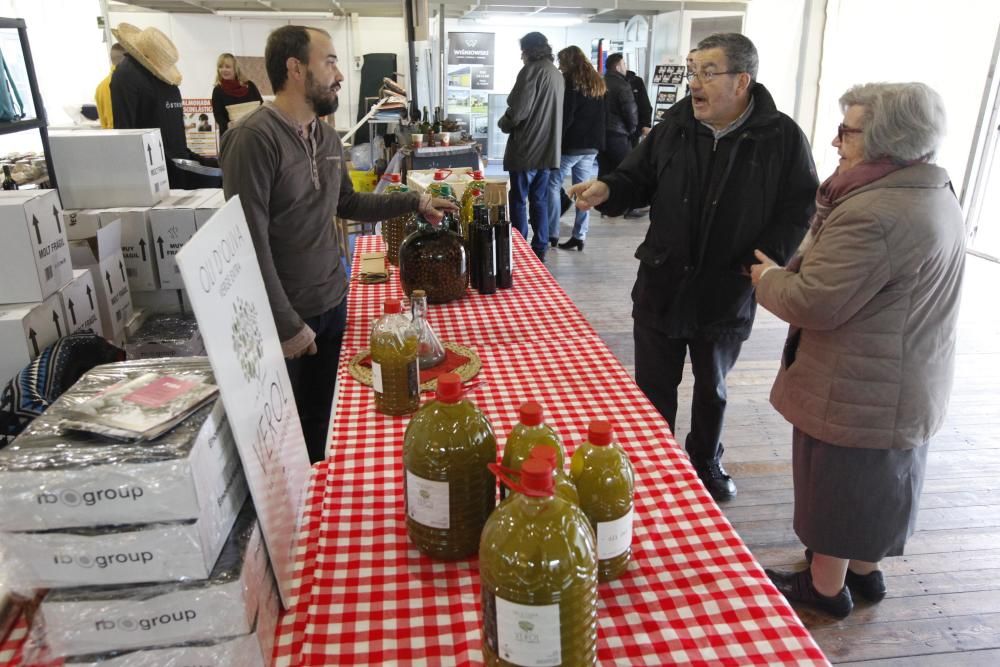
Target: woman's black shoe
x,y
572,243
553,241
798,587
870,586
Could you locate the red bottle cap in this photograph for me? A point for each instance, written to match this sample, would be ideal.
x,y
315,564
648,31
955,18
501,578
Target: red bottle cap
x,y
477,175
599,432
392,178
449,388
392,306
537,478
531,413
544,453
442,174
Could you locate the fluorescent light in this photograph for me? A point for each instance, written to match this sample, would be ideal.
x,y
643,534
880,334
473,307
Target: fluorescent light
x,y
264,14
528,21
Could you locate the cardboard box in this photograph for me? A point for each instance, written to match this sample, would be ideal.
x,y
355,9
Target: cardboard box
x,y
131,554
96,483
102,256
25,330
78,298
173,222
81,223
107,168
34,252
137,246
102,619
206,208
167,301
251,650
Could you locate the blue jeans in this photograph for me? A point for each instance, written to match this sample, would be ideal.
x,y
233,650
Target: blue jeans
x,y
582,168
529,192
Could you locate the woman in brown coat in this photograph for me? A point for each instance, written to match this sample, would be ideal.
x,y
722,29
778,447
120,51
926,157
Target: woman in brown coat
x,y
872,298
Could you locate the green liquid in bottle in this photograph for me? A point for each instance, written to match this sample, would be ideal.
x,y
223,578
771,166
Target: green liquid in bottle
x,y
395,373
538,571
449,490
526,434
605,481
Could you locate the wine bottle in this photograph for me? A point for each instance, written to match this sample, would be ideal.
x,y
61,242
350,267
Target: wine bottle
x,y
505,257
8,181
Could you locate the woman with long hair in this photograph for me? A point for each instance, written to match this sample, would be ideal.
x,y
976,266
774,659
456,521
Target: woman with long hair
x,y
230,88
584,110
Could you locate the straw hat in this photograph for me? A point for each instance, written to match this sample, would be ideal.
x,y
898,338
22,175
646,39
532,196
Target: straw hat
x,y
152,49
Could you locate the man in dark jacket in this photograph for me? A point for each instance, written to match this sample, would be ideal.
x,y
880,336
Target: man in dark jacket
x,y
622,118
724,172
534,122
644,108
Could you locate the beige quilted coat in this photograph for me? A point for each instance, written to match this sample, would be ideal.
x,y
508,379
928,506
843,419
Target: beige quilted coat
x,y
877,299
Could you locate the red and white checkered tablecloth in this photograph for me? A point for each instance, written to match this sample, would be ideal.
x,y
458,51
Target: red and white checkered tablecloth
x,y
693,592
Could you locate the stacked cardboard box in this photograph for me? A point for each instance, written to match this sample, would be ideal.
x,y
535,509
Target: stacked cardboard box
x,y
143,544
35,257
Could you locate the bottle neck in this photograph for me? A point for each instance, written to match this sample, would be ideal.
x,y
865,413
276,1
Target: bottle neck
x,y
418,307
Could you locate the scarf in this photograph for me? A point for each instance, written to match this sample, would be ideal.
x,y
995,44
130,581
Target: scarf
x,y
835,188
234,88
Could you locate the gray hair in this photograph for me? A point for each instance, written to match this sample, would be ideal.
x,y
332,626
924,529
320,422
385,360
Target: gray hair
x,y
739,50
902,121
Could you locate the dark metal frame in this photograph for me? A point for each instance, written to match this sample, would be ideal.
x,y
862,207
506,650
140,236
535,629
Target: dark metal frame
x,y
40,121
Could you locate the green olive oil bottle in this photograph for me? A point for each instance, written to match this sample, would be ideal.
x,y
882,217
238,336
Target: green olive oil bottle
x,y
448,489
395,368
605,481
527,433
538,576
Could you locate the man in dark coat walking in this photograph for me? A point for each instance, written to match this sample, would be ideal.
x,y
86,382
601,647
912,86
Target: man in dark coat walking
x,y
724,173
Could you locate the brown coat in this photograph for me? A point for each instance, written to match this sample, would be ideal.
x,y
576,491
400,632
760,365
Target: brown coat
x,y
877,299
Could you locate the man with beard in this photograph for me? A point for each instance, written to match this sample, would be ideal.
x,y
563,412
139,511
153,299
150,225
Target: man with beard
x,y
289,170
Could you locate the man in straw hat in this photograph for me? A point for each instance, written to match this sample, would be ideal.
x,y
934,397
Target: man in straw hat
x,y
144,94
289,170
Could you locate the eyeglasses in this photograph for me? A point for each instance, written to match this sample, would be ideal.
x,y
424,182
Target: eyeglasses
x,y
704,76
843,129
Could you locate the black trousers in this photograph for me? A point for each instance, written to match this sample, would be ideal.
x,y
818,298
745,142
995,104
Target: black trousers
x,y
314,377
659,367
616,147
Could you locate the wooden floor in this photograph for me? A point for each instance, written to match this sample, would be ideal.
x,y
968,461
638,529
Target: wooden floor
x,y
943,606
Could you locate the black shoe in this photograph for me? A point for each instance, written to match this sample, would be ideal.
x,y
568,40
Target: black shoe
x,y
714,477
636,213
798,587
870,586
564,202
553,241
572,243
540,254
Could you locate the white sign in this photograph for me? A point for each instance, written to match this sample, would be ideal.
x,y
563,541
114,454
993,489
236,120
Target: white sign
x,y
226,290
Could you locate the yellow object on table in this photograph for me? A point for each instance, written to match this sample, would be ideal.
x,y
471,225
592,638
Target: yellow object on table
x,y
363,181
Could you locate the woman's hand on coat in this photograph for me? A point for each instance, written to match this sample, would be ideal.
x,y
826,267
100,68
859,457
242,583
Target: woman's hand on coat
x,y
757,270
589,194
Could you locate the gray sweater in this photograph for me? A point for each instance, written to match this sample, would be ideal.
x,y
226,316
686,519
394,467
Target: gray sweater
x,y
534,118
290,200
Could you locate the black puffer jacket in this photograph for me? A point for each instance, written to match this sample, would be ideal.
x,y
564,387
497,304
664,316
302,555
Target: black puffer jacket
x,y
692,280
623,117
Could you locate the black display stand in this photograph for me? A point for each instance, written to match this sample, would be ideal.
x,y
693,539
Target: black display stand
x,y
669,80
39,122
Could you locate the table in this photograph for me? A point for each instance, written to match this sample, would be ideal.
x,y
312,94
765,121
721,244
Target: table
x,y
364,595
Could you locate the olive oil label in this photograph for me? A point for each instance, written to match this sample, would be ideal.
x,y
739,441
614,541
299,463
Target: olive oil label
x,y
614,537
427,502
377,377
528,635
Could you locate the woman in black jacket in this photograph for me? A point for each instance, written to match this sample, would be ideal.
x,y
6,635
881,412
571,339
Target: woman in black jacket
x,y
584,111
230,88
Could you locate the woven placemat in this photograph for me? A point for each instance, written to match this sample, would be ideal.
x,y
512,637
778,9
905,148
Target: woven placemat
x,y
466,371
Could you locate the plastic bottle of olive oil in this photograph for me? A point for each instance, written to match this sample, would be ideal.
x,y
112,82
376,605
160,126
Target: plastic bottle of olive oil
x,y
527,433
395,370
604,478
565,488
449,489
538,572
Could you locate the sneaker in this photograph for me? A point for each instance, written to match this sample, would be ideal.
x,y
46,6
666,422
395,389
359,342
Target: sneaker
x,y
636,213
798,587
870,586
714,477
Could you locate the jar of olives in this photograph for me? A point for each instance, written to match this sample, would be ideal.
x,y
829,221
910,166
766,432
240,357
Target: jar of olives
x,y
433,259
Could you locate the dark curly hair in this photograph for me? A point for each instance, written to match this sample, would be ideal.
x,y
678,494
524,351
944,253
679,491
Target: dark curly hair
x,y
535,46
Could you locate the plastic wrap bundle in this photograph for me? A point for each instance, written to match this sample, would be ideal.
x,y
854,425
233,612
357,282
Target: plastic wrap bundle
x,y
104,512
80,621
166,336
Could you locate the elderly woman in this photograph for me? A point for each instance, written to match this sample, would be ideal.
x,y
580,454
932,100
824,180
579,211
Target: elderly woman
x,y
872,298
